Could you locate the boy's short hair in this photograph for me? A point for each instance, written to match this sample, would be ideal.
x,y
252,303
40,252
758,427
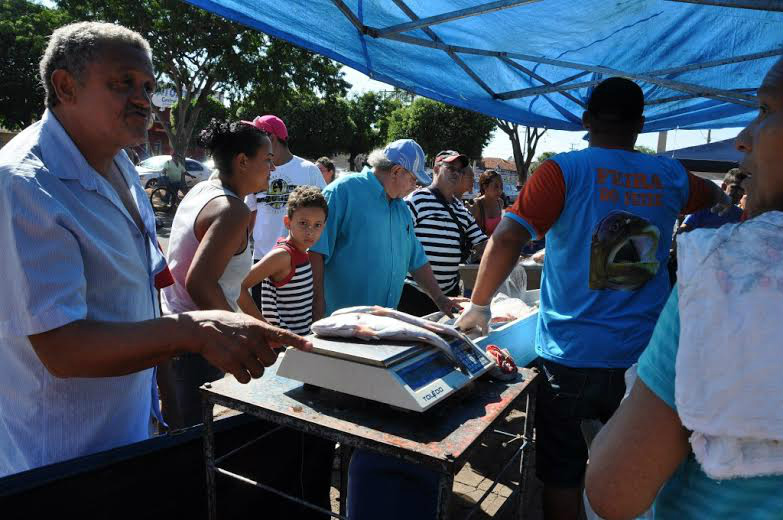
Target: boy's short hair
x,y
306,197
734,176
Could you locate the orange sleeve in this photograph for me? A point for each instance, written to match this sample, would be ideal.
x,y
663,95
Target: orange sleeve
x,y
699,194
541,200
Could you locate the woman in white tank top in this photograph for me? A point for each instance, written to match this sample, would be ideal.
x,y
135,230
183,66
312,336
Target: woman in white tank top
x,y
208,252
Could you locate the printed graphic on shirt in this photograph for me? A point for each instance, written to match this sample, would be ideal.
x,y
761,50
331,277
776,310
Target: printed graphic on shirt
x,y
276,197
623,252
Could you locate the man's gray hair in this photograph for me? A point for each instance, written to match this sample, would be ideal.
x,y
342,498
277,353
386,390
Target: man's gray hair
x,y
73,47
379,161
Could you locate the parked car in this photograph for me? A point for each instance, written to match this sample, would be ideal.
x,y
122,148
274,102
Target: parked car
x,y
152,168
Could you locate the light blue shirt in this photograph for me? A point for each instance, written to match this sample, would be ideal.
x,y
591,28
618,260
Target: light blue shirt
x,y
690,493
368,244
71,251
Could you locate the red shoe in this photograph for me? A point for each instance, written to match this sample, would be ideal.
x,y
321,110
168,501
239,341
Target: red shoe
x,y
505,369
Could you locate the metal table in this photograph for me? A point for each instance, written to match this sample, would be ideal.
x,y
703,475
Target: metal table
x,y
441,438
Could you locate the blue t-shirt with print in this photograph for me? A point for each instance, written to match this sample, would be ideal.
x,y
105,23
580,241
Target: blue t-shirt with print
x,y
690,493
605,278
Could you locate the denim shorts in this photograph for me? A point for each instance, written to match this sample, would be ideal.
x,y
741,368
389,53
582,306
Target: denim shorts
x,y
565,398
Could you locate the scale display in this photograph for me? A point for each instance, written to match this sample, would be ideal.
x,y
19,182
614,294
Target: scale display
x,y
423,371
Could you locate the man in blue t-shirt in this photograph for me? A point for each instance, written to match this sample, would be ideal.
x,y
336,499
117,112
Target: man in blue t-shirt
x,y
643,454
732,186
607,213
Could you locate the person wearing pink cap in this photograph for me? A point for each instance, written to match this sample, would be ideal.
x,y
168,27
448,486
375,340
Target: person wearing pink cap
x,y
268,208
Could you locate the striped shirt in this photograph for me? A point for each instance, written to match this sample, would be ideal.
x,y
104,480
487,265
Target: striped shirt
x,y
439,234
289,304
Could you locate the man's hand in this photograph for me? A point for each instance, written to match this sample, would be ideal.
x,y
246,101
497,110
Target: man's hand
x,y
475,317
722,206
449,306
238,343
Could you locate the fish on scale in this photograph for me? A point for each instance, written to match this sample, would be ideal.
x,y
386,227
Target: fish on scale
x,y
379,323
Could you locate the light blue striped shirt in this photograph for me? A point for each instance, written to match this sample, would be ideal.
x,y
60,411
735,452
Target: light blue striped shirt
x,y
690,493
71,251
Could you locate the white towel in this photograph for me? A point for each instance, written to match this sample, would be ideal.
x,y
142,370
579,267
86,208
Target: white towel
x,y
729,368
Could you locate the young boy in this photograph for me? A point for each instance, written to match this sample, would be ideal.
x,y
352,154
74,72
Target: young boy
x,y
287,302
285,273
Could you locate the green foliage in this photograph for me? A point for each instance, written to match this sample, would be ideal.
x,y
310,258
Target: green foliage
x,y
212,109
24,27
437,126
198,53
370,116
540,160
645,149
317,126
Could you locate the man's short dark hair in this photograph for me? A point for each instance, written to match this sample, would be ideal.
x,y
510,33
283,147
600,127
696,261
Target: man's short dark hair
x,y
616,106
734,176
306,197
326,163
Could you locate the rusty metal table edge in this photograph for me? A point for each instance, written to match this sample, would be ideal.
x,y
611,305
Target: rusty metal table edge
x,y
446,465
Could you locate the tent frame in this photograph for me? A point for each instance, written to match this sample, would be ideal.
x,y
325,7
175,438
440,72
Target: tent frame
x,y
742,97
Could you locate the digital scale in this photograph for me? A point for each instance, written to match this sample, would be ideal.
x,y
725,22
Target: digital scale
x,y
409,375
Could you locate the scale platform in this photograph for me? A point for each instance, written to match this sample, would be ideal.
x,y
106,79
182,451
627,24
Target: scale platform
x,y
409,375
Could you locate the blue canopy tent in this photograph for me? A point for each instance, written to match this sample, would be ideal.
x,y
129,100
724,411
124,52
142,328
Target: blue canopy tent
x,y
533,62
717,157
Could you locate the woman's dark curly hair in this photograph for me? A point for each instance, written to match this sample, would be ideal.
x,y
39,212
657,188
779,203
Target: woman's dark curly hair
x,y
225,140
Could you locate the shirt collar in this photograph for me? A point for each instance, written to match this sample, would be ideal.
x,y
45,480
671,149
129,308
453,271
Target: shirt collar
x,y
64,160
377,187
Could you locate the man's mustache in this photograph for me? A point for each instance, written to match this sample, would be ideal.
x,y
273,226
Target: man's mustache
x,y
146,113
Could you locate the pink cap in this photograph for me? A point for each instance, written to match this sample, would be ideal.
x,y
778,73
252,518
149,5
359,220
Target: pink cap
x,y
270,124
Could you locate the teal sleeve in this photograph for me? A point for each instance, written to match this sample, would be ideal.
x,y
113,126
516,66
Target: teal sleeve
x,y
336,201
418,256
656,365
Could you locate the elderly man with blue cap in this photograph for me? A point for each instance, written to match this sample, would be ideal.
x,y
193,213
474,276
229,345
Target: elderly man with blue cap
x,y
368,244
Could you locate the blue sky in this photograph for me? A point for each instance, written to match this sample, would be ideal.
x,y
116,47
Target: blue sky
x,y
556,141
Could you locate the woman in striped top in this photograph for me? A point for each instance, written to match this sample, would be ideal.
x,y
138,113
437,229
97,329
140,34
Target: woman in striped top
x,y
447,232
287,290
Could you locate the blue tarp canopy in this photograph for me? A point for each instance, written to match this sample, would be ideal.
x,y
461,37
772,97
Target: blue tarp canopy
x,y
717,157
534,62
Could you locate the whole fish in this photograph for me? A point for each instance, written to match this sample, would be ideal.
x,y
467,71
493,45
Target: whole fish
x,y
366,326
432,326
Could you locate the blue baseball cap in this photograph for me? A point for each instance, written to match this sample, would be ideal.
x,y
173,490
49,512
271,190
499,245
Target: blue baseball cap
x,y
408,154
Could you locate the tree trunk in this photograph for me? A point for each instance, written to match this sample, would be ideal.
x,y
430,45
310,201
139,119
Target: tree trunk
x,y
519,159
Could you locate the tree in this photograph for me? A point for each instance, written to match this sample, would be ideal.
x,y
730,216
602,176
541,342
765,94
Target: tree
x,y
24,27
530,142
317,126
282,75
645,149
437,126
370,116
212,109
198,54
540,160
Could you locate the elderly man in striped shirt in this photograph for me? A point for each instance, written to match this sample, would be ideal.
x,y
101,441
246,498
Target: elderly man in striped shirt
x,y
446,229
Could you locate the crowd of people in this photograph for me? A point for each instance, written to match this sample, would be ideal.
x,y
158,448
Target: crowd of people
x,y
99,325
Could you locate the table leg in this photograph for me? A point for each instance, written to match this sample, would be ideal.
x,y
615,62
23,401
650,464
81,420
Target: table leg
x,y
209,457
526,467
445,489
345,459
